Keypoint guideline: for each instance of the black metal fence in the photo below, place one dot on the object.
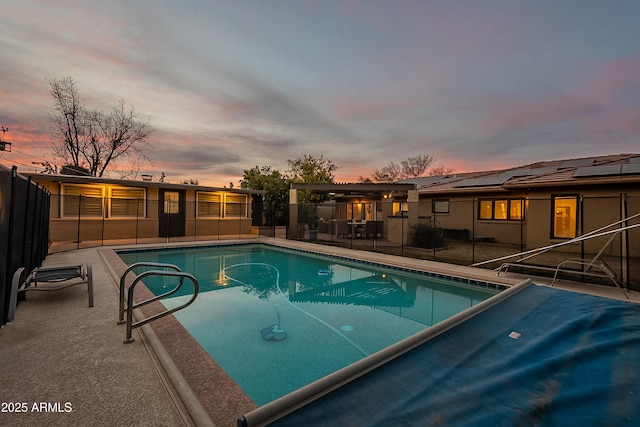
(84, 222)
(24, 225)
(461, 232)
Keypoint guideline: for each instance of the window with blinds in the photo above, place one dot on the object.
(209, 205)
(235, 206)
(82, 200)
(128, 202)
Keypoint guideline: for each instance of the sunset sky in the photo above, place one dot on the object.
(228, 85)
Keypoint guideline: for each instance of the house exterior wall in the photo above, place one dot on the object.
(463, 215)
(597, 207)
(105, 227)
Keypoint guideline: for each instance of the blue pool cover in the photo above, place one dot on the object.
(543, 357)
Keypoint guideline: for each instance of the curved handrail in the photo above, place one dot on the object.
(124, 275)
(131, 306)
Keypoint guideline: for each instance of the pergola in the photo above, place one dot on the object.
(364, 189)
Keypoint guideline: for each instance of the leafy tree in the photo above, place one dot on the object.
(412, 167)
(274, 204)
(91, 139)
(308, 169)
(311, 170)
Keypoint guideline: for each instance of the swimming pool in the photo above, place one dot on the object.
(277, 319)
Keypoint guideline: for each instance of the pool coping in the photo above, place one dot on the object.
(217, 399)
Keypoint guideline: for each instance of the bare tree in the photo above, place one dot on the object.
(391, 172)
(439, 170)
(67, 126)
(413, 167)
(416, 166)
(91, 139)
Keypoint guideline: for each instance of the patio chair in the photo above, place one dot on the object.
(342, 228)
(57, 275)
(373, 228)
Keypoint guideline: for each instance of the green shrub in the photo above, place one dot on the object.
(425, 236)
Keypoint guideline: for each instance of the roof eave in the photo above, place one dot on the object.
(576, 182)
(73, 179)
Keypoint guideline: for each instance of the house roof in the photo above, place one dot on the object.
(611, 169)
(76, 179)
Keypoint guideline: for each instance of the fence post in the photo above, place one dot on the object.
(582, 227)
(25, 236)
(79, 213)
(105, 202)
(34, 226)
(522, 211)
(12, 215)
(137, 218)
(473, 230)
(44, 221)
(624, 242)
(435, 229)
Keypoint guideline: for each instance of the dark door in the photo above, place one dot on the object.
(171, 213)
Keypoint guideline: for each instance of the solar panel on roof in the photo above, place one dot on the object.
(601, 170)
(575, 163)
(500, 179)
(630, 169)
(634, 159)
(540, 171)
(427, 180)
(469, 182)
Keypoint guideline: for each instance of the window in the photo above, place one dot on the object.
(565, 214)
(209, 205)
(171, 202)
(486, 209)
(360, 211)
(235, 206)
(516, 209)
(501, 209)
(81, 200)
(400, 208)
(440, 206)
(127, 202)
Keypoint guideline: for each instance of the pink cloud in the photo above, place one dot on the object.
(604, 107)
(616, 81)
(512, 114)
(615, 86)
(371, 109)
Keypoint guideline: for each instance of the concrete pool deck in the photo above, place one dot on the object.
(59, 351)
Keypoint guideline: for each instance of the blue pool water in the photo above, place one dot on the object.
(277, 319)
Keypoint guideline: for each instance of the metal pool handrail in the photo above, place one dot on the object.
(131, 306)
(124, 275)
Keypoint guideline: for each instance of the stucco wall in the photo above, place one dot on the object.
(71, 229)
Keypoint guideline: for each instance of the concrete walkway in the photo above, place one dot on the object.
(63, 363)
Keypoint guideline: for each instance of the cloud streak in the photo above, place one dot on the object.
(232, 85)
